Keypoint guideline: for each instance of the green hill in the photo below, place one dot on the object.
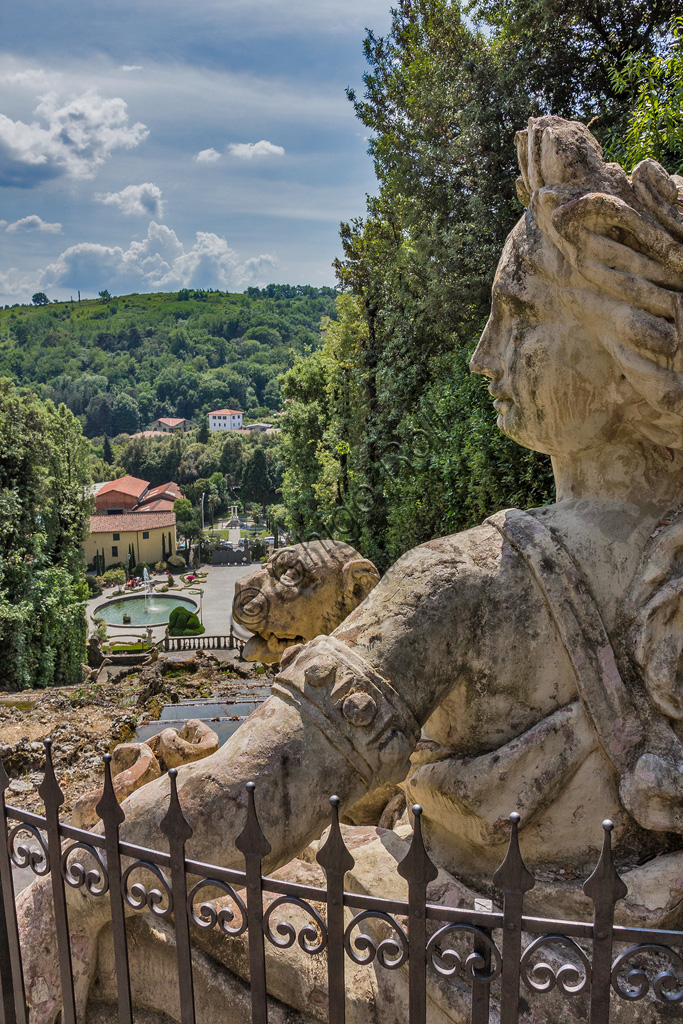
(121, 362)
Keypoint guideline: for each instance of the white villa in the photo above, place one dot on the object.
(225, 419)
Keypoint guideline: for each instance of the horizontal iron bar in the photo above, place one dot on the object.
(462, 915)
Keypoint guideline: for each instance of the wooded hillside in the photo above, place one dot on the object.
(119, 363)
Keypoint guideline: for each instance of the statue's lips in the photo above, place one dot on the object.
(268, 648)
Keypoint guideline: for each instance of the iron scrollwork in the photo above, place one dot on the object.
(312, 937)
(449, 962)
(96, 880)
(390, 953)
(138, 896)
(206, 916)
(23, 856)
(542, 977)
(666, 986)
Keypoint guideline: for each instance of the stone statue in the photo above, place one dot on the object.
(531, 663)
(302, 591)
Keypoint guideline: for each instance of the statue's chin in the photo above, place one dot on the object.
(269, 649)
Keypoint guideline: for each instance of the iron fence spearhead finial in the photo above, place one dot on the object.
(333, 856)
(251, 841)
(513, 874)
(174, 824)
(108, 808)
(605, 885)
(416, 866)
(49, 787)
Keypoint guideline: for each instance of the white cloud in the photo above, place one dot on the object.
(158, 262)
(142, 199)
(131, 67)
(249, 150)
(35, 223)
(33, 78)
(207, 156)
(79, 136)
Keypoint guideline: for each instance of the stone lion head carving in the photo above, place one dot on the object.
(302, 591)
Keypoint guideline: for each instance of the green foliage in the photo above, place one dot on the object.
(40, 299)
(44, 510)
(654, 86)
(115, 577)
(139, 569)
(176, 562)
(387, 440)
(183, 622)
(94, 585)
(121, 365)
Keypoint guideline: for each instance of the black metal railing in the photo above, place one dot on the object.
(507, 952)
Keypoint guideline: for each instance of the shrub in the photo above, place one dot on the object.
(176, 562)
(171, 580)
(140, 569)
(100, 630)
(258, 549)
(160, 567)
(94, 585)
(182, 622)
(112, 576)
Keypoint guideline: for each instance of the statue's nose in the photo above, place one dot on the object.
(486, 358)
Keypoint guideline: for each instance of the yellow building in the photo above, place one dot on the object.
(152, 535)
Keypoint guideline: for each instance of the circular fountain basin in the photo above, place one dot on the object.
(151, 610)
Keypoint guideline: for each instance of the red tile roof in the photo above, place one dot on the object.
(226, 412)
(170, 490)
(157, 505)
(129, 522)
(125, 485)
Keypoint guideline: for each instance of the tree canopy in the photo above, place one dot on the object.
(389, 436)
(44, 509)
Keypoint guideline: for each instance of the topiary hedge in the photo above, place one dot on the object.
(183, 622)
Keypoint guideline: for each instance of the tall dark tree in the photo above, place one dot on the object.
(44, 516)
(442, 101)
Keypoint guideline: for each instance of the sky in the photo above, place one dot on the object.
(151, 145)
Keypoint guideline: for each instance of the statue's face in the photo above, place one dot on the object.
(554, 386)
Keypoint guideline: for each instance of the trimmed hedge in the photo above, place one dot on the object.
(182, 622)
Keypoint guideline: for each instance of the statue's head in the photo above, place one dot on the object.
(303, 591)
(584, 345)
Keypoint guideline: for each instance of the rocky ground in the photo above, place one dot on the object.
(88, 721)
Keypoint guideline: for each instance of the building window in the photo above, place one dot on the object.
(116, 536)
(114, 552)
(145, 534)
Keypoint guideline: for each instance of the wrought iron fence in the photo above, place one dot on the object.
(598, 962)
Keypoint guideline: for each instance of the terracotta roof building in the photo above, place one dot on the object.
(117, 495)
(149, 536)
(225, 419)
(171, 424)
(131, 514)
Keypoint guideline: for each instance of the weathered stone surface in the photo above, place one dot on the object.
(531, 662)
(132, 765)
(304, 590)
(196, 740)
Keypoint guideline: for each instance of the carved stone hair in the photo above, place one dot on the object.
(623, 242)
